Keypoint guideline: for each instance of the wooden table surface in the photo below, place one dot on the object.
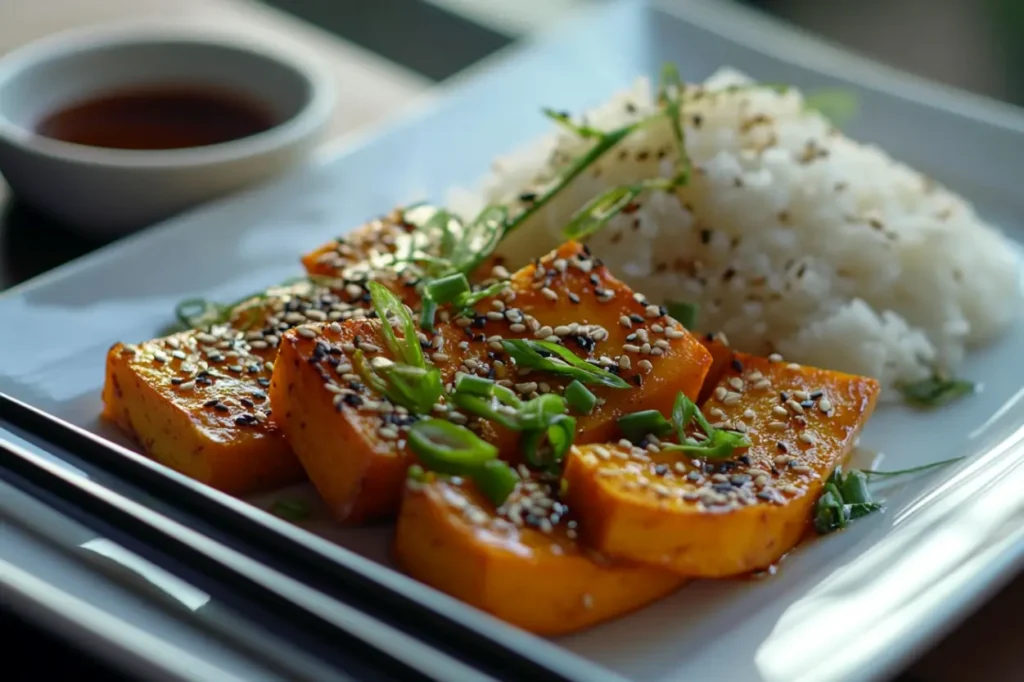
(988, 646)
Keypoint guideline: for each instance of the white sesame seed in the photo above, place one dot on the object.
(673, 333)
(645, 365)
(526, 387)
(808, 437)
(794, 406)
(463, 322)
(387, 433)
(625, 322)
(736, 383)
(588, 601)
(652, 311)
(749, 414)
(624, 362)
(258, 345)
(731, 398)
(780, 411)
(740, 426)
(717, 413)
(543, 332)
(720, 392)
(439, 357)
(825, 405)
(631, 348)
(495, 316)
(549, 294)
(187, 385)
(317, 315)
(774, 357)
(778, 426)
(306, 332)
(801, 468)
(800, 396)
(793, 366)
(562, 330)
(755, 376)
(517, 328)
(762, 384)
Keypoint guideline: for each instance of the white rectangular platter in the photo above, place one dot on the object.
(852, 606)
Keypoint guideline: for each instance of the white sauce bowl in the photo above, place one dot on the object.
(105, 192)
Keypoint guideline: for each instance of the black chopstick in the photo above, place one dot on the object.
(289, 550)
(356, 644)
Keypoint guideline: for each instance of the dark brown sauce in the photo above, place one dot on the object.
(166, 117)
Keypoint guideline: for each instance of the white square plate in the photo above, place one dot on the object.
(850, 606)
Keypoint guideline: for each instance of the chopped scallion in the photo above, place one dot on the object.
(638, 425)
(496, 480)
(545, 448)
(684, 313)
(580, 399)
(448, 289)
(449, 448)
(556, 359)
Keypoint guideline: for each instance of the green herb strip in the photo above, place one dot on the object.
(718, 444)
(935, 391)
(556, 359)
(684, 313)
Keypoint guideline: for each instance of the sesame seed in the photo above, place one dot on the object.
(187, 386)
(800, 396)
(720, 392)
(794, 406)
(645, 365)
(793, 366)
(652, 311)
(334, 327)
(306, 332)
(778, 426)
(439, 357)
(780, 411)
(624, 362)
(731, 398)
(801, 468)
(631, 348)
(543, 332)
(774, 357)
(517, 328)
(495, 316)
(825, 405)
(749, 414)
(736, 383)
(808, 437)
(562, 330)
(588, 601)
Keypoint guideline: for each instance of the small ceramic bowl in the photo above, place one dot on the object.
(103, 191)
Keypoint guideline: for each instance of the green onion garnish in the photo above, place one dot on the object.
(474, 385)
(484, 398)
(935, 391)
(580, 399)
(550, 357)
(292, 510)
(496, 480)
(684, 313)
(415, 388)
(417, 473)
(386, 305)
(718, 444)
(448, 288)
(428, 312)
(838, 106)
(448, 448)
(539, 413)
(470, 299)
(638, 425)
(546, 448)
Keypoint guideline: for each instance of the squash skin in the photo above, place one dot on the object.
(451, 538)
(631, 509)
(348, 465)
(175, 427)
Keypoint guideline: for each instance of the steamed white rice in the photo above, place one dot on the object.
(790, 237)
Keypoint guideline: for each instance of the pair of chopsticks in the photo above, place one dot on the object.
(324, 590)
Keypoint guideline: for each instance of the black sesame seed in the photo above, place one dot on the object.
(352, 399)
(246, 402)
(709, 337)
(817, 394)
(595, 280)
(637, 319)
(259, 395)
(220, 407)
(245, 419)
(574, 298)
(781, 447)
(807, 404)
(660, 470)
(631, 337)
(783, 396)
(739, 479)
(263, 382)
(722, 487)
(176, 381)
(528, 196)
(210, 403)
(638, 379)
(744, 460)
(766, 496)
(737, 365)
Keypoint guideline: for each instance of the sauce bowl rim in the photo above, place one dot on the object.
(65, 45)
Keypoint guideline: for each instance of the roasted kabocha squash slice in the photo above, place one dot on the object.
(520, 562)
(707, 518)
(566, 299)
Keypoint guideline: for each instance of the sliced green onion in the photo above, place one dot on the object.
(292, 510)
(415, 388)
(474, 385)
(417, 473)
(684, 313)
(854, 488)
(471, 299)
(546, 448)
(386, 304)
(638, 425)
(541, 412)
(683, 412)
(496, 480)
(599, 210)
(719, 444)
(362, 367)
(448, 288)
(448, 448)
(485, 408)
(428, 312)
(580, 399)
(479, 239)
(550, 357)
(935, 391)
(837, 105)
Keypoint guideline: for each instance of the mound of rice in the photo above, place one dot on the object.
(790, 237)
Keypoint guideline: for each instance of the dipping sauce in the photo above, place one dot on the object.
(165, 117)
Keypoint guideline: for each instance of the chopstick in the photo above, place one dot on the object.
(375, 649)
(350, 579)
